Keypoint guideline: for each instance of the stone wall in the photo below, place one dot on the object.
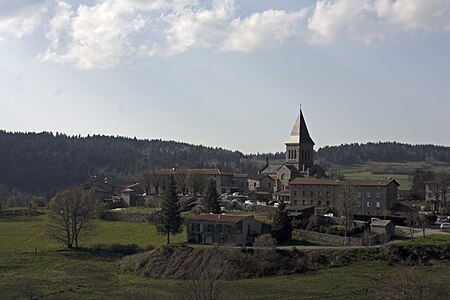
(348, 241)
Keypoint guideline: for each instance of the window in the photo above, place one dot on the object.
(378, 195)
(319, 203)
(368, 194)
(328, 194)
(303, 202)
(311, 193)
(358, 195)
(328, 203)
(269, 185)
(195, 227)
(378, 204)
(210, 228)
(295, 193)
(254, 184)
(319, 193)
(368, 204)
(303, 193)
(311, 202)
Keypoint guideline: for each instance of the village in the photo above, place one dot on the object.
(343, 211)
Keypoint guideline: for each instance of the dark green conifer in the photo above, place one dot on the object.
(281, 225)
(210, 199)
(170, 221)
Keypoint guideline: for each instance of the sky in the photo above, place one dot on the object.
(228, 74)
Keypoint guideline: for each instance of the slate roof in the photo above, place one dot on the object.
(300, 132)
(270, 169)
(364, 182)
(380, 223)
(219, 218)
(185, 171)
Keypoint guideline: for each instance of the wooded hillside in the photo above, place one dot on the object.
(382, 152)
(44, 163)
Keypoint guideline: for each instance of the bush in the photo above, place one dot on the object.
(117, 249)
(265, 241)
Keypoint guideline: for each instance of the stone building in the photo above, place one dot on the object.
(222, 229)
(299, 161)
(373, 196)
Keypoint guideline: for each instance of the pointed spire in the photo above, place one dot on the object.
(299, 133)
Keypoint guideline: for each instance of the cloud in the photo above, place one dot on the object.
(92, 36)
(260, 30)
(104, 33)
(375, 20)
(19, 18)
(198, 26)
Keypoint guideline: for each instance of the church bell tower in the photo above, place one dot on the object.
(300, 146)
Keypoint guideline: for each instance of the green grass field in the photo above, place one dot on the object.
(363, 171)
(56, 273)
(24, 234)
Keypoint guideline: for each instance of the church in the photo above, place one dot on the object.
(298, 163)
(301, 183)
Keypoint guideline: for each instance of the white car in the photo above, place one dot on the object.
(445, 226)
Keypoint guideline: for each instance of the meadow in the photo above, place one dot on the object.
(32, 264)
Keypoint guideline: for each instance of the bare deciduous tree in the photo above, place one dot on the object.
(346, 204)
(411, 283)
(206, 286)
(196, 181)
(439, 187)
(412, 221)
(70, 215)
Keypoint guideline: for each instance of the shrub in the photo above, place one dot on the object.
(265, 241)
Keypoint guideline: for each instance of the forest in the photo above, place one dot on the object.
(45, 163)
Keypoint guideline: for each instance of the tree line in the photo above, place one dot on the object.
(45, 163)
(382, 152)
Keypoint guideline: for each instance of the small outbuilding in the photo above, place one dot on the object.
(385, 227)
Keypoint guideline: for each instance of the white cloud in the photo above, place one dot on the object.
(20, 18)
(269, 28)
(92, 36)
(106, 32)
(198, 26)
(372, 20)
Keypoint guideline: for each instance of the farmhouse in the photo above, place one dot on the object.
(222, 229)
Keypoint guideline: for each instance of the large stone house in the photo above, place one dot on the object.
(222, 229)
(373, 196)
(225, 182)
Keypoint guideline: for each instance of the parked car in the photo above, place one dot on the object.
(444, 218)
(248, 202)
(374, 219)
(445, 226)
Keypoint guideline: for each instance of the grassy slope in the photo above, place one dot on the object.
(57, 273)
(363, 171)
(25, 233)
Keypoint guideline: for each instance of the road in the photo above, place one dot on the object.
(406, 236)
